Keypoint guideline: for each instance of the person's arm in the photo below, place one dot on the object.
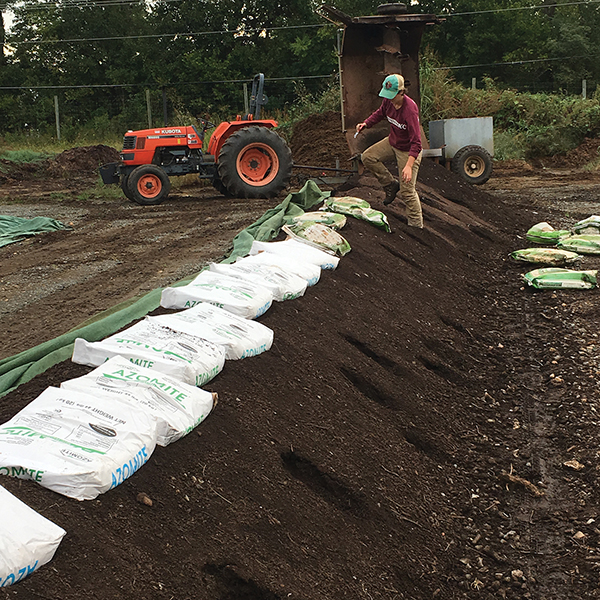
(407, 171)
(414, 132)
(373, 119)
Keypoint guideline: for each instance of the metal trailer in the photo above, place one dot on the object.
(464, 145)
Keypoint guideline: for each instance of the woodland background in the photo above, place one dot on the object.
(102, 60)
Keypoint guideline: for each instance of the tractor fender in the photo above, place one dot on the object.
(227, 128)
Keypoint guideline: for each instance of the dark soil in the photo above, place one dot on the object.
(405, 437)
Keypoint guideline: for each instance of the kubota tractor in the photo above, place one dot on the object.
(245, 159)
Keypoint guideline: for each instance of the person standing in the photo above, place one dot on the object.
(403, 144)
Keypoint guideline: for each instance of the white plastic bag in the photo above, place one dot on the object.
(240, 337)
(297, 250)
(239, 297)
(27, 539)
(75, 444)
(183, 356)
(283, 286)
(177, 406)
(308, 271)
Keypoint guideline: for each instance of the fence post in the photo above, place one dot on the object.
(584, 88)
(148, 109)
(57, 117)
(474, 83)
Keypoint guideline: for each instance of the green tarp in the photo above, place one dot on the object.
(23, 367)
(14, 229)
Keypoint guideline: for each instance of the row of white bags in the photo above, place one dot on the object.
(93, 432)
(191, 345)
(248, 287)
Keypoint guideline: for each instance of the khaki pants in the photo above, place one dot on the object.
(373, 159)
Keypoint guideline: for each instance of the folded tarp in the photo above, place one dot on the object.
(22, 367)
(15, 229)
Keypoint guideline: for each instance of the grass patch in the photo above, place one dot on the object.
(24, 156)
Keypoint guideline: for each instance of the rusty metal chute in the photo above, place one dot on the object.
(371, 48)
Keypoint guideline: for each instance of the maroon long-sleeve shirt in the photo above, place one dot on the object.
(405, 130)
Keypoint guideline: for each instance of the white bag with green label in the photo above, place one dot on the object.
(297, 250)
(310, 272)
(27, 539)
(239, 297)
(177, 406)
(78, 445)
(240, 337)
(283, 285)
(186, 357)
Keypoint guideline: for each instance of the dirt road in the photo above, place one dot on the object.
(407, 436)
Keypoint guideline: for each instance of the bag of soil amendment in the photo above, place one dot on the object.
(334, 220)
(240, 337)
(321, 235)
(185, 357)
(554, 277)
(358, 208)
(75, 444)
(27, 539)
(583, 244)
(239, 297)
(544, 233)
(177, 406)
(297, 250)
(308, 271)
(591, 225)
(283, 286)
(547, 256)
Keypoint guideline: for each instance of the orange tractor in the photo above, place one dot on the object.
(245, 158)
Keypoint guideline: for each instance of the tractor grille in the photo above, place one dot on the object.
(129, 142)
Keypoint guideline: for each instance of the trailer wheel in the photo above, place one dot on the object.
(255, 163)
(148, 185)
(473, 164)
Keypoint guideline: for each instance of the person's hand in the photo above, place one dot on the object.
(407, 173)
(360, 127)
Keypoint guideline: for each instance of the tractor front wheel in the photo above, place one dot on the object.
(255, 163)
(148, 185)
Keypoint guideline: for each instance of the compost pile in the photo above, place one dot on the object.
(405, 437)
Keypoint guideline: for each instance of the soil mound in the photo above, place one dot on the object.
(318, 141)
(11, 171)
(83, 160)
(407, 436)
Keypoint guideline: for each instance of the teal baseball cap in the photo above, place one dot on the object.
(392, 84)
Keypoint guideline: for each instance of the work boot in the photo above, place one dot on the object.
(391, 189)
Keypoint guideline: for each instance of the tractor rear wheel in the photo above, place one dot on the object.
(255, 163)
(473, 164)
(148, 185)
(218, 185)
